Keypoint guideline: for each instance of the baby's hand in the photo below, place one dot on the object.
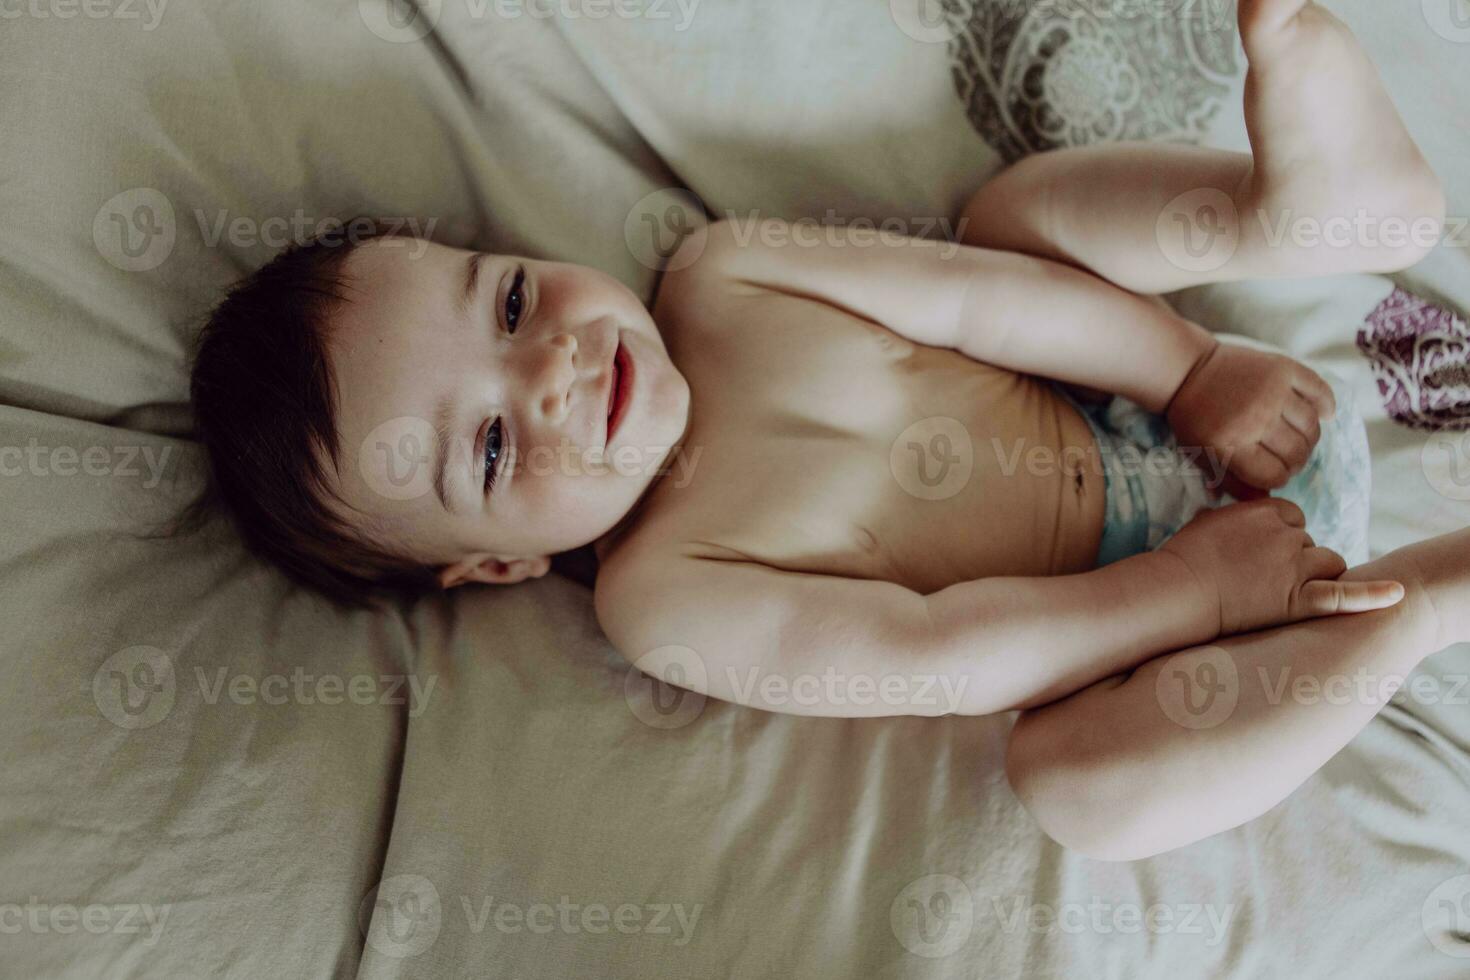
(1260, 563)
(1261, 411)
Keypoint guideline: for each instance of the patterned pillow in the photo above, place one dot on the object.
(1043, 74)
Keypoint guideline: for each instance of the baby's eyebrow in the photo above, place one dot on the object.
(443, 420)
(471, 282)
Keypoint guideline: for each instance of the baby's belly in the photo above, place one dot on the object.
(1003, 480)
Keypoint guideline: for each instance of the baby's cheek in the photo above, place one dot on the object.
(563, 501)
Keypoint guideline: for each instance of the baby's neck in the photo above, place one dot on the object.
(603, 545)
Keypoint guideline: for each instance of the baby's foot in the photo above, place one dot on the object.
(1437, 570)
(1328, 144)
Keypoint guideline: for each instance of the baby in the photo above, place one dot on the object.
(880, 461)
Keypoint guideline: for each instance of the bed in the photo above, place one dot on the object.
(208, 772)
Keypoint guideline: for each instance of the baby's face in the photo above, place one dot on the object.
(494, 409)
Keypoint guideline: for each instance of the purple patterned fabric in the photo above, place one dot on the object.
(1421, 358)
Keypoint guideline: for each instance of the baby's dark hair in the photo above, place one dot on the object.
(265, 408)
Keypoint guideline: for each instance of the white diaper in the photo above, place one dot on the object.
(1154, 488)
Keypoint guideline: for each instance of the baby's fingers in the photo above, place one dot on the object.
(1260, 467)
(1289, 445)
(1311, 386)
(1301, 415)
(1331, 598)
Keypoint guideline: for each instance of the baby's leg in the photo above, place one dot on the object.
(1197, 742)
(1334, 184)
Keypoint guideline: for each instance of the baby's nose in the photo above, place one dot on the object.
(561, 373)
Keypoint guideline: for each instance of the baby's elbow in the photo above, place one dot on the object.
(1079, 802)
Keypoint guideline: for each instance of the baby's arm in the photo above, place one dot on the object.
(996, 643)
(1260, 410)
(1020, 312)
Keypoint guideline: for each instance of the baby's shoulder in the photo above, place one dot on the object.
(704, 287)
(634, 556)
(637, 579)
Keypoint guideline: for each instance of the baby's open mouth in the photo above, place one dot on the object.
(618, 391)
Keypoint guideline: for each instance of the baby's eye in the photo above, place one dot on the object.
(492, 454)
(515, 301)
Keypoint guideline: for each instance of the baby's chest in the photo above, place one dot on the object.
(897, 501)
(830, 445)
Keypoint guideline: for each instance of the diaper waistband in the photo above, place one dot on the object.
(1125, 524)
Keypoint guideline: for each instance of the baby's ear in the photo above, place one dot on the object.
(493, 570)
